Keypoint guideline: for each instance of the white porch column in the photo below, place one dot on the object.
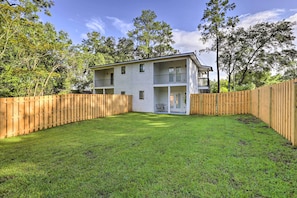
(169, 91)
(188, 101)
(190, 64)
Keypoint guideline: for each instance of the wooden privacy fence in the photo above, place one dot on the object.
(276, 105)
(24, 115)
(221, 104)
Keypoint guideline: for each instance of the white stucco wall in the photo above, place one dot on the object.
(134, 81)
(193, 77)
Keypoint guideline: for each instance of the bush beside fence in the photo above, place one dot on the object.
(276, 105)
(24, 115)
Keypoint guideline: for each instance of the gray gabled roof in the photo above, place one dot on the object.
(192, 55)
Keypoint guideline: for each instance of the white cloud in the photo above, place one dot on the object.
(96, 24)
(122, 26)
(191, 42)
(292, 18)
(187, 41)
(248, 20)
(84, 36)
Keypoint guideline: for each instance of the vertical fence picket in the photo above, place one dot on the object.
(274, 105)
(294, 114)
(31, 114)
(15, 119)
(9, 119)
(3, 118)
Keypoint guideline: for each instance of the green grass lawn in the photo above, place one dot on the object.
(147, 155)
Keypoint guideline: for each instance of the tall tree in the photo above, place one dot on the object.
(152, 38)
(231, 52)
(97, 45)
(80, 75)
(31, 7)
(257, 50)
(32, 54)
(124, 50)
(215, 23)
(264, 46)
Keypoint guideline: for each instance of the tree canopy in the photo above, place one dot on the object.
(35, 59)
(248, 55)
(215, 22)
(152, 38)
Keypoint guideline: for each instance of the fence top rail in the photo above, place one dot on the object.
(61, 95)
(222, 93)
(278, 84)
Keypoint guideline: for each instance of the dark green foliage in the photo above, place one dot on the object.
(153, 38)
(32, 53)
(251, 54)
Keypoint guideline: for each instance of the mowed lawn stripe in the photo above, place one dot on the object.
(150, 155)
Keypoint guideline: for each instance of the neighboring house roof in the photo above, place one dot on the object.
(192, 55)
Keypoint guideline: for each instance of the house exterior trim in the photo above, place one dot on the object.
(165, 83)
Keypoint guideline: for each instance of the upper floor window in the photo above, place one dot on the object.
(123, 70)
(175, 74)
(123, 92)
(141, 68)
(141, 95)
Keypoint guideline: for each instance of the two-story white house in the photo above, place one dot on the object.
(158, 85)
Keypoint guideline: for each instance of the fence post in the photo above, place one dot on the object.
(3, 118)
(258, 103)
(270, 107)
(294, 138)
(217, 103)
(251, 102)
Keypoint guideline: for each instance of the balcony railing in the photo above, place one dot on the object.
(203, 82)
(170, 78)
(104, 83)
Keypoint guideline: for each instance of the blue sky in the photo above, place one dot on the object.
(115, 17)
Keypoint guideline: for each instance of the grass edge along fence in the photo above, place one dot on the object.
(276, 105)
(24, 115)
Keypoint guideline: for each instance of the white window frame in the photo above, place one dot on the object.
(123, 70)
(141, 67)
(141, 95)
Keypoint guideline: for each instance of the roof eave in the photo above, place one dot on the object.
(147, 60)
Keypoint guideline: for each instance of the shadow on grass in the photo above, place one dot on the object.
(150, 155)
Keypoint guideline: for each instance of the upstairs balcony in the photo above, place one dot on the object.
(104, 82)
(170, 78)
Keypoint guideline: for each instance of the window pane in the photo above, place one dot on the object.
(141, 95)
(123, 70)
(141, 68)
(171, 101)
(178, 100)
(178, 74)
(171, 74)
(111, 79)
